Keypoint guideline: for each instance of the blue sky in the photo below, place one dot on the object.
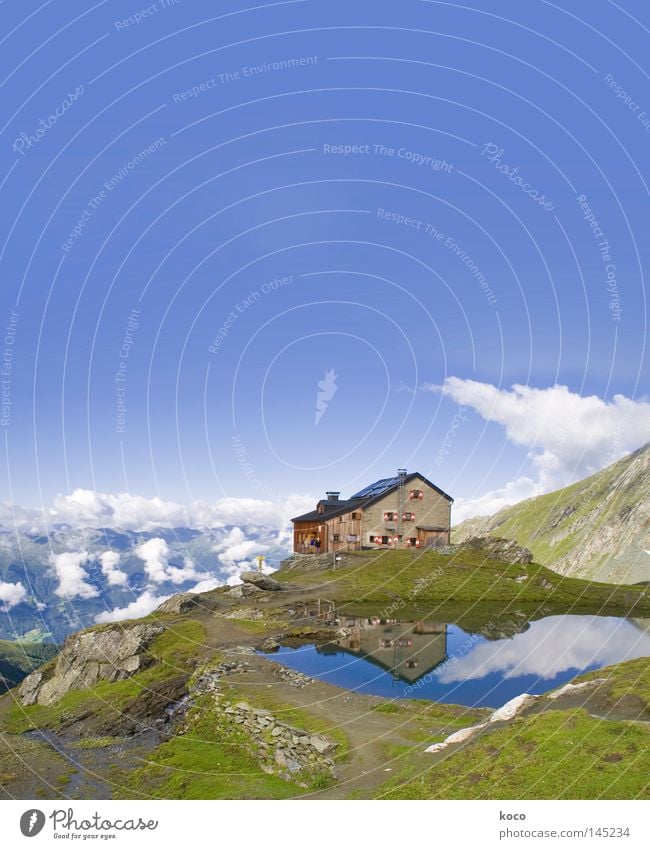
(430, 202)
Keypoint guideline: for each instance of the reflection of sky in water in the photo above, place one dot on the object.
(550, 647)
(485, 672)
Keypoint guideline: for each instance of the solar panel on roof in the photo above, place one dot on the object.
(376, 488)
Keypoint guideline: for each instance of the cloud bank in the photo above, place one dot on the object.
(568, 436)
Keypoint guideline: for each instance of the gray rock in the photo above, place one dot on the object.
(87, 657)
(179, 603)
(292, 766)
(29, 688)
(321, 744)
(262, 582)
(498, 548)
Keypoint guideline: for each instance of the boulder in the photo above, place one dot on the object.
(498, 548)
(262, 582)
(179, 603)
(575, 689)
(321, 744)
(108, 654)
(513, 708)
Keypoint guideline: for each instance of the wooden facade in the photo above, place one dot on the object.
(411, 513)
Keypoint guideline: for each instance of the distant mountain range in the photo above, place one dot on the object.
(597, 529)
(55, 583)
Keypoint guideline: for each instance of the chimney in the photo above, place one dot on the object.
(332, 496)
(401, 474)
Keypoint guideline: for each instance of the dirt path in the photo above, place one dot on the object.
(377, 741)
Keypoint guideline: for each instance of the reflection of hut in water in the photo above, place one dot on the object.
(408, 650)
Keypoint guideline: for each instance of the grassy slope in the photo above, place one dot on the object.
(427, 577)
(559, 754)
(545, 524)
(562, 754)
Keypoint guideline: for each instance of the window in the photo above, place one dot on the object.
(352, 538)
(384, 540)
(336, 538)
(390, 517)
(408, 517)
(356, 516)
(340, 518)
(412, 540)
(416, 495)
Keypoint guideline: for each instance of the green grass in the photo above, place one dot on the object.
(212, 760)
(553, 755)
(427, 577)
(627, 680)
(252, 626)
(97, 742)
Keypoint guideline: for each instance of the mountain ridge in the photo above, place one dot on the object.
(597, 528)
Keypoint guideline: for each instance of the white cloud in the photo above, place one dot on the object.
(114, 576)
(11, 595)
(235, 547)
(71, 575)
(143, 605)
(155, 554)
(495, 499)
(568, 436)
(84, 508)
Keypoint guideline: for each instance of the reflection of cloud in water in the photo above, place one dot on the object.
(551, 646)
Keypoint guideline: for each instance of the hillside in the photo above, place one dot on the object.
(180, 705)
(18, 659)
(597, 529)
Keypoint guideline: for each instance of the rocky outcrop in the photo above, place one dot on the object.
(109, 654)
(512, 709)
(498, 548)
(262, 582)
(280, 748)
(180, 603)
